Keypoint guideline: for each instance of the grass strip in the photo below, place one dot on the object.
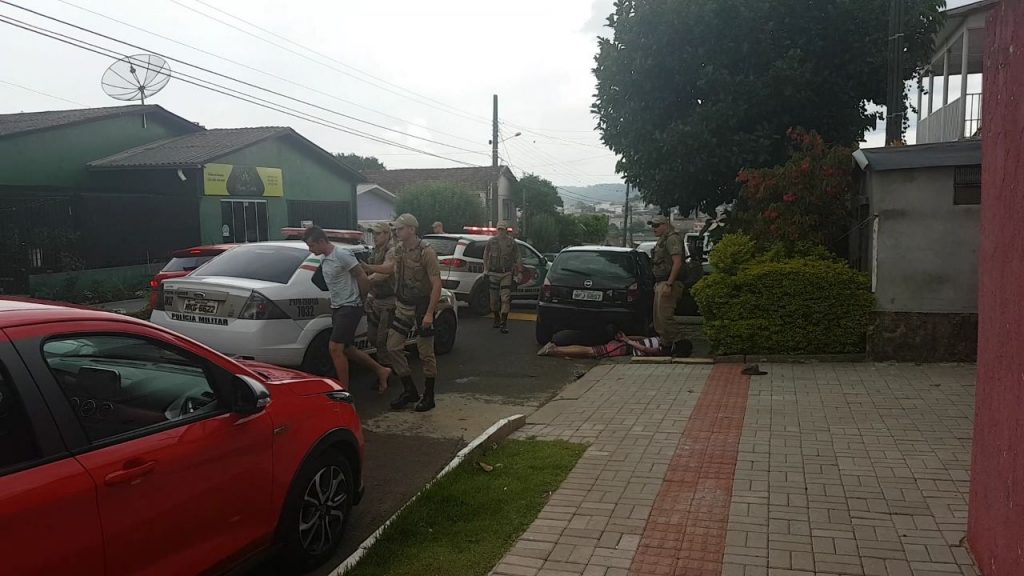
(465, 523)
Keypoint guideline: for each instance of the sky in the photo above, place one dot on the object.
(413, 73)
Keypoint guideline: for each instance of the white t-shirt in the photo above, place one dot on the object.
(338, 267)
(653, 342)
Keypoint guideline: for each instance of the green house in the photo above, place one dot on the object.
(113, 191)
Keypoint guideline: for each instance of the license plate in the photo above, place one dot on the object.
(588, 295)
(199, 306)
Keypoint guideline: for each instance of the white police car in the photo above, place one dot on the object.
(258, 302)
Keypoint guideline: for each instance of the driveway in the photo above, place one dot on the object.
(488, 376)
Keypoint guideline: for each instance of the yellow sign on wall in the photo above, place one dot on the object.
(231, 180)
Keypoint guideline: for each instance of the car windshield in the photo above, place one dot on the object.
(611, 266)
(186, 264)
(441, 245)
(255, 262)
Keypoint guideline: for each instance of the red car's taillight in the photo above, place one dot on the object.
(453, 262)
(156, 297)
(259, 307)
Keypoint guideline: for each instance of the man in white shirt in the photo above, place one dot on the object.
(348, 286)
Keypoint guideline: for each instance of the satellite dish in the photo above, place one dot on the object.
(136, 77)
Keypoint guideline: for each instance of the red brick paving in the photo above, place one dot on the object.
(685, 534)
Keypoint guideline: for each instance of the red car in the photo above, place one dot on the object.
(128, 449)
(182, 263)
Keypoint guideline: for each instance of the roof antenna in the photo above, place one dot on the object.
(135, 77)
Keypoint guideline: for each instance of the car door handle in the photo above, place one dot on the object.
(132, 471)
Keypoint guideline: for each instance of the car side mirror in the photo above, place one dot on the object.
(248, 396)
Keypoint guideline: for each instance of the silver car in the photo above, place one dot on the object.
(258, 302)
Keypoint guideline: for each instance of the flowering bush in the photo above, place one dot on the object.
(804, 201)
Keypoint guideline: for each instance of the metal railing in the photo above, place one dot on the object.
(952, 122)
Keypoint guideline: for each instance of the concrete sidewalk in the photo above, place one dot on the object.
(827, 469)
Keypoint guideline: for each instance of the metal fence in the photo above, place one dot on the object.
(64, 233)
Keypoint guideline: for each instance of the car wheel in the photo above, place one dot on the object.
(317, 359)
(480, 300)
(316, 512)
(543, 332)
(445, 328)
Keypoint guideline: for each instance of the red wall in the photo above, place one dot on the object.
(996, 526)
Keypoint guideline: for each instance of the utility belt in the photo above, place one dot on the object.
(420, 304)
(416, 302)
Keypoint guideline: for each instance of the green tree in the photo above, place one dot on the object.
(543, 232)
(690, 92)
(432, 201)
(540, 194)
(576, 229)
(361, 163)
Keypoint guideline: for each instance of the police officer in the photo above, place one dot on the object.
(668, 270)
(417, 282)
(501, 261)
(380, 302)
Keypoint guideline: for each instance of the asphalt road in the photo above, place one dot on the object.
(486, 377)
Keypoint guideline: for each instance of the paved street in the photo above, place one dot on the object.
(488, 376)
(830, 469)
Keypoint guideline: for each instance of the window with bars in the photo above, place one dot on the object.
(967, 186)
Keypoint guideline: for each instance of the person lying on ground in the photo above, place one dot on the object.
(622, 345)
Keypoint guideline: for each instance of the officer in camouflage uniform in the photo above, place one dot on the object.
(380, 302)
(417, 282)
(501, 261)
(668, 274)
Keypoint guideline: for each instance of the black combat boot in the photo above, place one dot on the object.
(497, 320)
(409, 394)
(504, 324)
(427, 403)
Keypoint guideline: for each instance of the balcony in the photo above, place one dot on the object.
(952, 80)
(952, 122)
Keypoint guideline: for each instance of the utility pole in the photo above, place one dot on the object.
(625, 218)
(895, 110)
(495, 208)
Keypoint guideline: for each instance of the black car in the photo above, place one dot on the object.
(592, 287)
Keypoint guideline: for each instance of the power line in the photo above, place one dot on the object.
(243, 82)
(259, 71)
(41, 93)
(329, 66)
(566, 170)
(276, 107)
(419, 97)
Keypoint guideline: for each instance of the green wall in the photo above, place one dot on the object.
(306, 177)
(57, 157)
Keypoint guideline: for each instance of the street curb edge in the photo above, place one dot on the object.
(498, 431)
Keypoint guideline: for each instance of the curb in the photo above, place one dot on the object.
(499, 431)
(668, 360)
(790, 359)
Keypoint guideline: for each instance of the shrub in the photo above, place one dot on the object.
(732, 253)
(804, 201)
(797, 306)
